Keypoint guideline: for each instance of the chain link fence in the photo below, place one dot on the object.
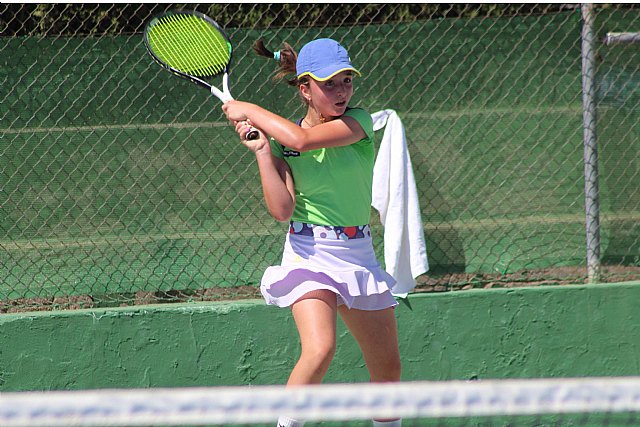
(121, 184)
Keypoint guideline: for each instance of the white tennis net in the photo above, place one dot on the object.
(596, 401)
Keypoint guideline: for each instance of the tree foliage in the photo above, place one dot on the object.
(109, 19)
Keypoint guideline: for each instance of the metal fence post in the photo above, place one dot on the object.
(592, 206)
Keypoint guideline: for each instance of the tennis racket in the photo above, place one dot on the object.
(193, 46)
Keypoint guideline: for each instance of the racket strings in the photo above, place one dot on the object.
(190, 44)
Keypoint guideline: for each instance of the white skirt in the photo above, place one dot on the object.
(347, 267)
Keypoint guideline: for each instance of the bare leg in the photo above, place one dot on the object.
(377, 336)
(315, 317)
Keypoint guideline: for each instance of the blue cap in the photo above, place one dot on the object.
(323, 59)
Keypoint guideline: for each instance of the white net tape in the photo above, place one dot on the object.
(256, 404)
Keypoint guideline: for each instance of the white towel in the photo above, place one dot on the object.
(395, 197)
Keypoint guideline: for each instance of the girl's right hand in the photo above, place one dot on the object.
(258, 145)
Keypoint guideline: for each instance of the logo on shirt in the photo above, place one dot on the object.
(290, 153)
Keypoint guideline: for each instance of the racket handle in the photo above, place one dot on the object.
(225, 96)
(252, 134)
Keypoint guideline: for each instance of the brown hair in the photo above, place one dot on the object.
(287, 62)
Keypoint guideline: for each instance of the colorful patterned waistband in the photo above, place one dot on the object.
(329, 231)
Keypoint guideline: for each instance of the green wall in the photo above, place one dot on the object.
(582, 330)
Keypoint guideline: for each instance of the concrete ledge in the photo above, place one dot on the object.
(572, 331)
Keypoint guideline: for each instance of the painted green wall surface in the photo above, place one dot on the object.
(582, 330)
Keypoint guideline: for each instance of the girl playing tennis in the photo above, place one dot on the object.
(317, 174)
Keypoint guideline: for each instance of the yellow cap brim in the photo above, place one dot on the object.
(322, 79)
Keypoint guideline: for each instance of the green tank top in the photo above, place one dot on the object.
(333, 185)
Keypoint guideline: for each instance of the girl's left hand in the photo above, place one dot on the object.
(261, 144)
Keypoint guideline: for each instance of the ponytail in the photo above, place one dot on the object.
(286, 58)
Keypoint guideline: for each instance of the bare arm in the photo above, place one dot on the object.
(277, 186)
(335, 133)
(275, 176)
